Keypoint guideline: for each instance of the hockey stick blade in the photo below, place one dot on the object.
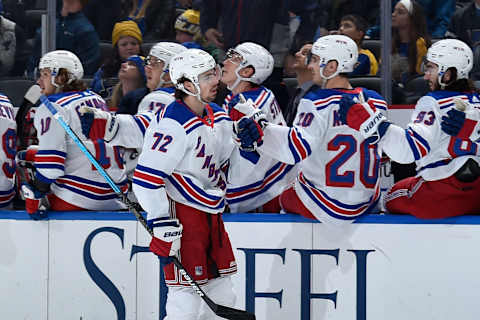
(221, 311)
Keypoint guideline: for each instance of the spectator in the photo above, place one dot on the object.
(188, 33)
(126, 41)
(264, 22)
(12, 39)
(438, 14)
(465, 26)
(355, 27)
(103, 14)
(74, 33)
(154, 18)
(339, 8)
(304, 82)
(131, 77)
(409, 40)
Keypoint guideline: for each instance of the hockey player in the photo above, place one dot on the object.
(442, 140)
(180, 182)
(8, 128)
(255, 181)
(62, 174)
(158, 79)
(338, 178)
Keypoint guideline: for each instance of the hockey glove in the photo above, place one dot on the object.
(25, 158)
(166, 239)
(456, 123)
(250, 134)
(244, 111)
(362, 116)
(98, 124)
(36, 203)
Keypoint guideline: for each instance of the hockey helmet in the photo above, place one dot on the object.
(254, 55)
(339, 48)
(451, 53)
(62, 59)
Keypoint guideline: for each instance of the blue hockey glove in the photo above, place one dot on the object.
(166, 240)
(36, 203)
(250, 134)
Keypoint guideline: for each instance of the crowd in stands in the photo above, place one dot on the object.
(85, 27)
(112, 39)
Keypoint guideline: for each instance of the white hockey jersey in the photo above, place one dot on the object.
(185, 157)
(437, 155)
(60, 161)
(157, 99)
(338, 173)
(8, 129)
(255, 179)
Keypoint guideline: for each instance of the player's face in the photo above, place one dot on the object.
(301, 57)
(230, 64)
(154, 71)
(128, 71)
(348, 28)
(314, 67)
(431, 75)
(208, 82)
(45, 82)
(182, 36)
(128, 46)
(400, 17)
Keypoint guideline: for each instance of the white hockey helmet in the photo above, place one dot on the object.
(189, 64)
(254, 55)
(451, 53)
(62, 59)
(164, 51)
(339, 48)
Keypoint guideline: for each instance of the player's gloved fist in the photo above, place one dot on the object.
(36, 203)
(166, 239)
(250, 134)
(98, 124)
(26, 156)
(238, 107)
(360, 115)
(453, 122)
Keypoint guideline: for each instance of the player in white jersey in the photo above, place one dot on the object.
(158, 80)
(255, 181)
(62, 170)
(338, 175)
(180, 181)
(8, 129)
(442, 140)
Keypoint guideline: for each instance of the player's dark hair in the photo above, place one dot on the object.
(460, 85)
(179, 94)
(75, 85)
(360, 23)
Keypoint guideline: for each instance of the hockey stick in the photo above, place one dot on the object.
(219, 310)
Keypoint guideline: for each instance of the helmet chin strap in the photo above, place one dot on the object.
(197, 95)
(442, 84)
(239, 78)
(162, 81)
(324, 77)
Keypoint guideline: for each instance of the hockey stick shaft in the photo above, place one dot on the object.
(95, 163)
(235, 314)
